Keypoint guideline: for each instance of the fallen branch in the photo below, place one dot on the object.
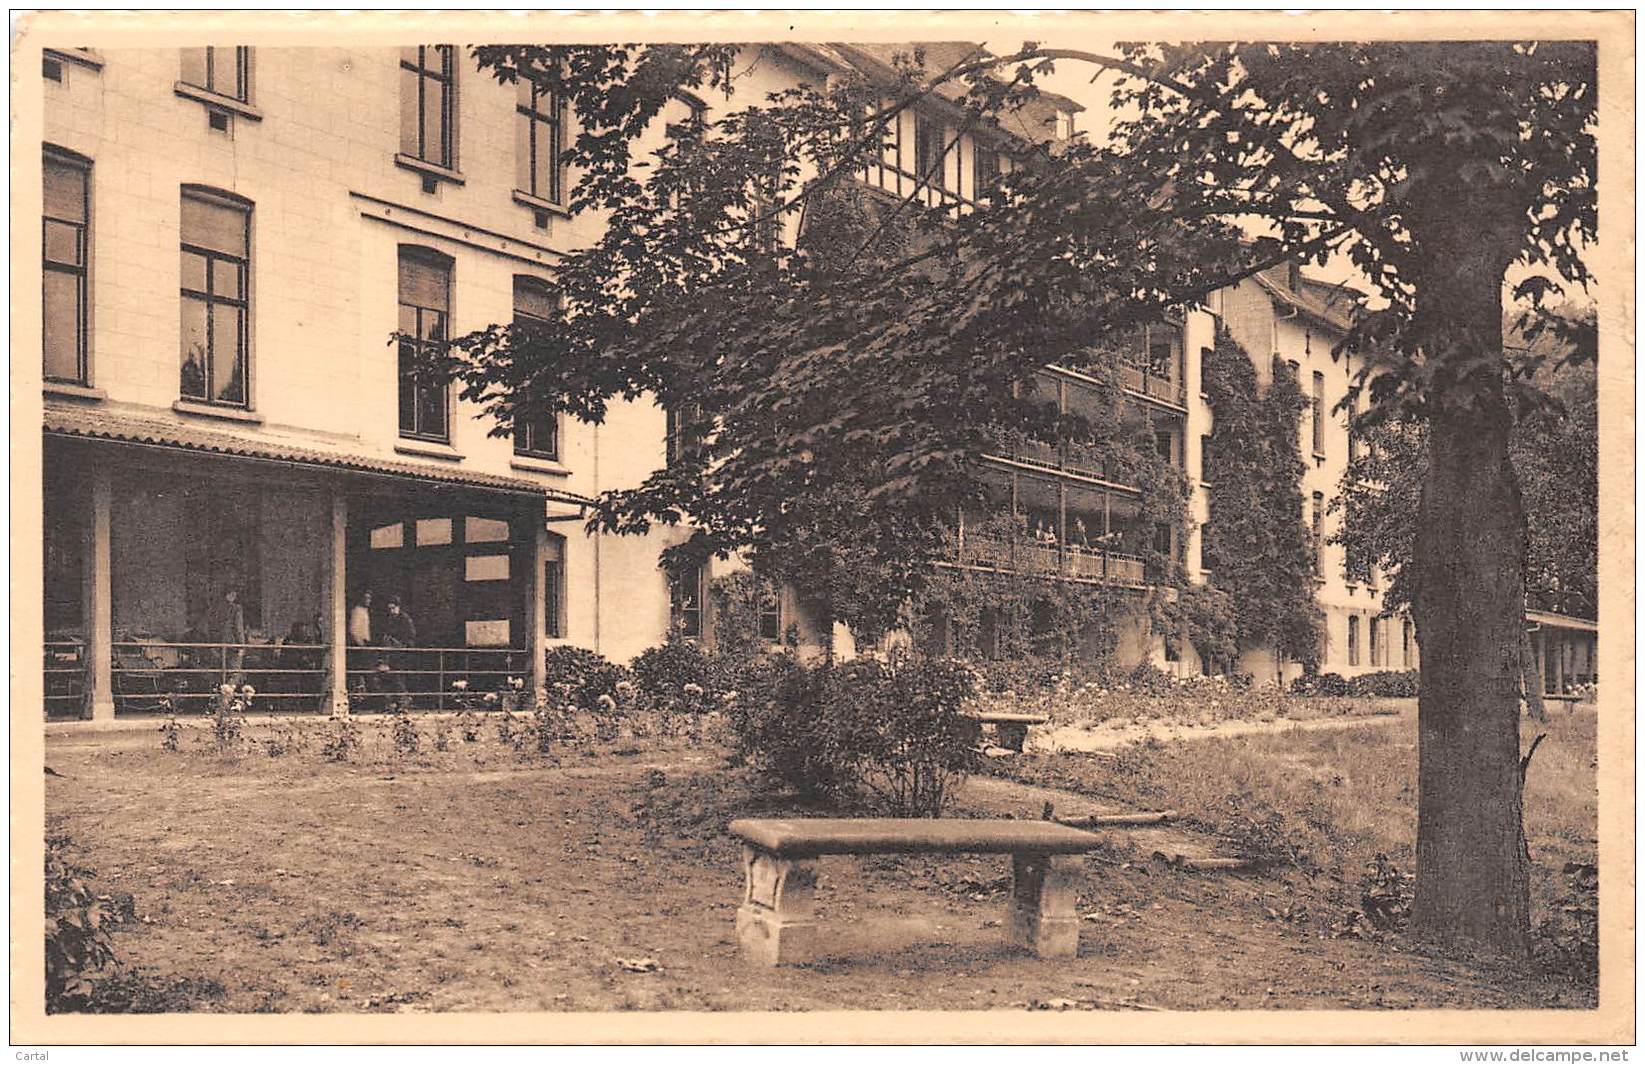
(1136, 820)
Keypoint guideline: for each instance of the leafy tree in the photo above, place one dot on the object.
(1555, 450)
(865, 379)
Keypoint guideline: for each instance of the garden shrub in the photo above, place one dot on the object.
(1385, 684)
(582, 674)
(904, 716)
(78, 927)
(681, 677)
(1327, 684)
(893, 729)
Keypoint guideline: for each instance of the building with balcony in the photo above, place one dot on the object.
(240, 470)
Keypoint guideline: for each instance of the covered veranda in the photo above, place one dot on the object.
(179, 559)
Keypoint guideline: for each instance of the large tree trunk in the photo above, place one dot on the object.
(1473, 870)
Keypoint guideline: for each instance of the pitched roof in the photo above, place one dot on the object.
(1035, 121)
(100, 424)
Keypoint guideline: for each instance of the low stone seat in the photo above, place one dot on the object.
(775, 924)
(1012, 729)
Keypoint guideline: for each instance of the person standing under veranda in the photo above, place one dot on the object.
(229, 627)
(398, 630)
(359, 635)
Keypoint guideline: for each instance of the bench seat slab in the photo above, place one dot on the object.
(810, 837)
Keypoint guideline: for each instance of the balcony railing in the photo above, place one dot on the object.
(1049, 560)
(65, 678)
(150, 675)
(421, 678)
(1140, 378)
(156, 675)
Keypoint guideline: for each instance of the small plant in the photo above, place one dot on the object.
(343, 742)
(607, 718)
(229, 723)
(406, 739)
(468, 724)
(171, 735)
(78, 926)
(442, 735)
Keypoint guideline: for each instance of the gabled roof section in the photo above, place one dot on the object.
(1325, 303)
(1035, 122)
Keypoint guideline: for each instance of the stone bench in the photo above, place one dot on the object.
(1012, 729)
(776, 926)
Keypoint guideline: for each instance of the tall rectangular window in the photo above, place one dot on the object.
(684, 432)
(425, 313)
(771, 614)
(538, 141)
(1319, 413)
(225, 71)
(1405, 644)
(554, 589)
(65, 259)
(985, 170)
(428, 84)
(537, 435)
(1317, 525)
(1205, 458)
(685, 602)
(1353, 414)
(1376, 641)
(1353, 640)
(930, 152)
(216, 274)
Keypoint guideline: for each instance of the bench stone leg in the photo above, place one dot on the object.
(775, 923)
(1043, 893)
(1012, 735)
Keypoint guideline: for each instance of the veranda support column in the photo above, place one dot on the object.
(336, 607)
(536, 622)
(99, 600)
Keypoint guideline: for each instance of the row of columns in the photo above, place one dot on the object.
(97, 597)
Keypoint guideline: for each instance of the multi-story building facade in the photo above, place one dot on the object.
(235, 454)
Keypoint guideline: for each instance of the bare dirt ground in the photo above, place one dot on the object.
(455, 883)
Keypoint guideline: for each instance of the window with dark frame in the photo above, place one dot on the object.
(425, 313)
(682, 432)
(539, 133)
(985, 170)
(1205, 458)
(771, 613)
(1319, 413)
(1375, 627)
(930, 152)
(554, 589)
(428, 82)
(225, 71)
(216, 274)
(1353, 640)
(65, 257)
(1317, 524)
(536, 435)
(1405, 644)
(685, 602)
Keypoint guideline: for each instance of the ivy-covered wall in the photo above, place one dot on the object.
(1258, 545)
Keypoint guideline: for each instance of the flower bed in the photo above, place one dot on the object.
(1186, 700)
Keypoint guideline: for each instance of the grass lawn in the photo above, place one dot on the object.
(1331, 801)
(481, 879)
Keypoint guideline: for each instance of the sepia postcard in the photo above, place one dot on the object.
(806, 527)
